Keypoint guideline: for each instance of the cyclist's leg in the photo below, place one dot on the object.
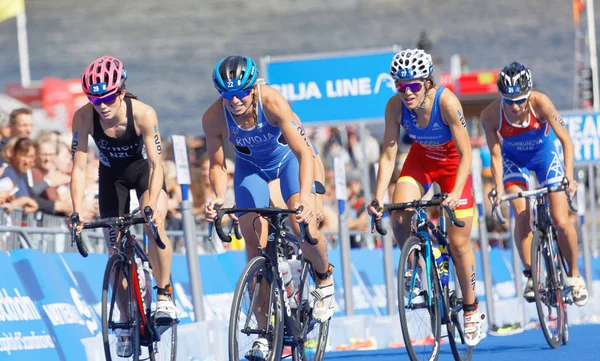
(460, 240)
(317, 254)
(252, 191)
(160, 259)
(549, 172)
(567, 236)
(462, 253)
(516, 179)
(113, 197)
(138, 177)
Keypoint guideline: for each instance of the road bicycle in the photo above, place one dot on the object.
(286, 320)
(548, 266)
(426, 297)
(128, 267)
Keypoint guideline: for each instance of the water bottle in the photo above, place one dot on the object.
(148, 281)
(445, 263)
(141, 277)
(437, 254)
(296, 270)
(286, 274)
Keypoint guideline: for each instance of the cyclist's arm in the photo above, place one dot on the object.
(546, 108)
(79, 149)
(452, 114)
(387, 161)
(212, 122)
(279, 112)
(148, 126)
(489, 121)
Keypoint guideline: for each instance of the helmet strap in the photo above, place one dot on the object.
(424, 102)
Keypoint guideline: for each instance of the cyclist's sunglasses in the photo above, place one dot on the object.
(240, 94)
(518, 101)
(414, 87)
(108, 100)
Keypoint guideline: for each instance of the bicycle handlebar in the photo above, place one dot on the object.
(437, 200)
(75, 238)
(536, 193)
(148, 213)
(113, 222)
(264, 212)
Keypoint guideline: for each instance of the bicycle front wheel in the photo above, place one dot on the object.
(315, 333)
(419, 300)
(546, 287)
(257, 311)
(113, 302)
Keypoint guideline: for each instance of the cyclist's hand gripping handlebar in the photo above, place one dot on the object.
(148, 214)
(76, 238)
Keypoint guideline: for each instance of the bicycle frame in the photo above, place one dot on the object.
(422, 227)
(276, 238)
(128, 248)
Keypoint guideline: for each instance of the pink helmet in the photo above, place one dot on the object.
(104, 76)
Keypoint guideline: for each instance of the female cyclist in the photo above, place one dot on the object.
(262, 128)
(441, 152)
(129, 146)
(529, 125)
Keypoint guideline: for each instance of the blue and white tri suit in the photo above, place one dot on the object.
(532, 146)
(262, 155)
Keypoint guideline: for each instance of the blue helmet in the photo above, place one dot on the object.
(514, 79)
(235, 73)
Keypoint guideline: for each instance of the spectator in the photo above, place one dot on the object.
(21, 162)
(355, 148)
(333, 149)
(21, 123)
(46, 178)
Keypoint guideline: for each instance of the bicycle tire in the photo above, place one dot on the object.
(416, 244)
(304, 314)
(116, 262)
(563, 281)
(172, 341)
(257, 266)
(551, 296)
(451, 303)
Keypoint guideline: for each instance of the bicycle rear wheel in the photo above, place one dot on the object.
(546, 287)
(256, 293)
(115, 273)
(419, 303)
(454, 309)
(315, 333)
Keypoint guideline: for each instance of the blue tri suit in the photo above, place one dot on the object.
(532, 146)
(262, 155)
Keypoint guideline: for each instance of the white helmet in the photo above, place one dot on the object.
(411, 64)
